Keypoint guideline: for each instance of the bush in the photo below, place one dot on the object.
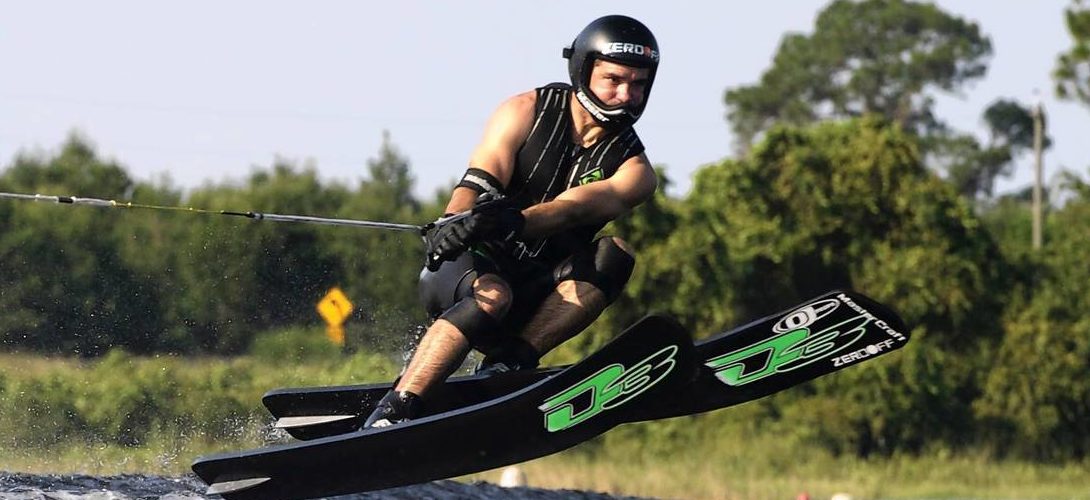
(130, 401)
(40, 413)
(294, 345)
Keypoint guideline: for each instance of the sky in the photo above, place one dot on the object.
(200, 91)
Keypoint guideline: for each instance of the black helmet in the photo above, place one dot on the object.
(618, 39)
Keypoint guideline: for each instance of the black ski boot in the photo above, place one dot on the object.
(490, 367)
(394, 408)
(514, 355)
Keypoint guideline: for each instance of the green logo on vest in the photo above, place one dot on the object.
(592, 176)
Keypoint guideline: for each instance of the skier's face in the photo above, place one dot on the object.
(618, 85)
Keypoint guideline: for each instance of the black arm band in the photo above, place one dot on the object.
(481, 182)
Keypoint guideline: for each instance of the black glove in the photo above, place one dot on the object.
(447, 240)
(492, 219)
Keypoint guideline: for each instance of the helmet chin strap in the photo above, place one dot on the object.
(608, 118)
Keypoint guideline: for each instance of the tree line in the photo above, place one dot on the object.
(844, 177)
(81, 280)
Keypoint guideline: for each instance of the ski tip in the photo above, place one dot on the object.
(310, 420)
(234, 486)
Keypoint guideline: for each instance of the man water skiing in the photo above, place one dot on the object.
(523, 273)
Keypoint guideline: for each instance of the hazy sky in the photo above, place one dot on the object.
(204, 91)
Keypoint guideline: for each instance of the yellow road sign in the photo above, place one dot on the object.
(335, 307)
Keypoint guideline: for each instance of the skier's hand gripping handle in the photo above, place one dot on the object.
(491, 218)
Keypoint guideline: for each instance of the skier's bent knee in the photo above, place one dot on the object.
(479, 327)
(607, 265)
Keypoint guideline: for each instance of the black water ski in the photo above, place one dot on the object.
(645, 363)
(821, 336)
(784, 350)
(316, 412)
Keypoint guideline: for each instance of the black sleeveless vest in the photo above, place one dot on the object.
(549, 163)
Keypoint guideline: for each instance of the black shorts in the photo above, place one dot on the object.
(530, 282)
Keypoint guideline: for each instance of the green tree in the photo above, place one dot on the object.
(390, 180)
(973, 167)
(840, 205)
(1072, 72)
(1076, 185)
(1036, 399)
(874, 56)
(1011, 125)
(65, 287)
(969, 166)
(379, 267)
(76, 168)
(77, 279)
(235, 277)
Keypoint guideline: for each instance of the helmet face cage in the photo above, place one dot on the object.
(618, 39)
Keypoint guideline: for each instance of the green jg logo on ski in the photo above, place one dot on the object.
(796, 345)
(609, 388)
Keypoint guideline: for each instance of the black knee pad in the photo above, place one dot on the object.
(441, 289)
(447, 293)
(480, 328)
(605, 265)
